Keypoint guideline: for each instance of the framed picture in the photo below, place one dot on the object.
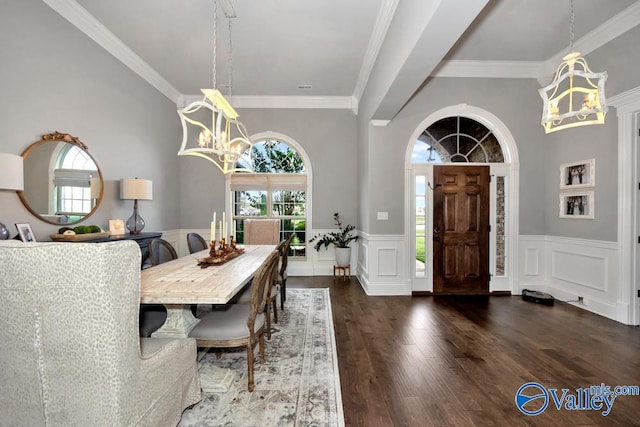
(578, 205)
(26, 233)
(578, 174)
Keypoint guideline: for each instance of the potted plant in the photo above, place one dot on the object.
(340, 240)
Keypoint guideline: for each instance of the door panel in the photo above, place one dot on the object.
(461, 230)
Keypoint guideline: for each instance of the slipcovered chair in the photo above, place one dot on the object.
(261, 231)
(71, 354)
(281, 278)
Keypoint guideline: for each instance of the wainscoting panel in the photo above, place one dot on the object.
(383, 266)
(580, 269)
(569, 268)
(531, 262)
(387, 262)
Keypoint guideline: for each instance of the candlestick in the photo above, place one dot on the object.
(213, 227)
(224, 224)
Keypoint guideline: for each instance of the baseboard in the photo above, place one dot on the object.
(421, 293)
(590, 303)
(500, 293)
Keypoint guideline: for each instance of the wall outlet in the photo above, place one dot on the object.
(581, 300)
(383, 216)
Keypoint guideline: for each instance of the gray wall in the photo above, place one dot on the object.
(388, 144)
(54, 77)
(329, 139)
(516, 103)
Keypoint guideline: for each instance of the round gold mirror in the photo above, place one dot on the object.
(62, 182)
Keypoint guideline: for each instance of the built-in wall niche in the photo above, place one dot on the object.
(62, 182)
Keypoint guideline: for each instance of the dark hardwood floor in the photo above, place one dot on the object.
(459, 361)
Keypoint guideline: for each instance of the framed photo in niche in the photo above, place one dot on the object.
(25, 232)
(578, 174)
(578, 205)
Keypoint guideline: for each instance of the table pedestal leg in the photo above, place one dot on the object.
(179, 322)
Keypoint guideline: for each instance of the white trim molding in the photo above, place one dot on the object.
(297, 102)
(385, 15)
(85, 22)
(489, 69)
(569, 268)
(627, 106)
(382, 265)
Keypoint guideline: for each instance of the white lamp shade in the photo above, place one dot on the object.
(136, 189)
(11, 172)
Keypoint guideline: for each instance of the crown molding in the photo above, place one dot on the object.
(85, 22)
(319, 102)
(626, 101)
(383, 21)
(542, 71)
(379, 123)
(609, 30)
(489, 69)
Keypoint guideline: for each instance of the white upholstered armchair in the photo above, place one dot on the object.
(71, 354)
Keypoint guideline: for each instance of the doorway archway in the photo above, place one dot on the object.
(496, 148)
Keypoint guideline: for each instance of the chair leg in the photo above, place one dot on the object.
(267, 310)
(275, 310)
(261, 343)
(250, 365)
(283, 293)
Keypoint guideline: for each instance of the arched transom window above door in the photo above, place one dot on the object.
(457, 140)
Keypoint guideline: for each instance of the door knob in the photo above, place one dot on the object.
(436, 229)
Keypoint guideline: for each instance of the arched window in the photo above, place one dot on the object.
(457, 140)
(73, 174)
(276, 189)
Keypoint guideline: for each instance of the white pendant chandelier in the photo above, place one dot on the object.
(211, 128)
(575, 97)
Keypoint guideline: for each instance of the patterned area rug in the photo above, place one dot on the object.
(299, 384)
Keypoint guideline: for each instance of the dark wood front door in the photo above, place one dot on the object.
(461, 230)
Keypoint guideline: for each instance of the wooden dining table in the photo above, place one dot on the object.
(179, 283)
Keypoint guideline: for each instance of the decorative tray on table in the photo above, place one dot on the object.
(78, 237)
(222, 253)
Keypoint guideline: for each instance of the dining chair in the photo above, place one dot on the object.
(71, 355)
(196, 243)
(239, 325)
(152, 316)
(161, 251)
(281, 279)
(261, 231)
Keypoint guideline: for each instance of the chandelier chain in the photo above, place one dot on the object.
(215, 44)
(230, 60)
(571, 34)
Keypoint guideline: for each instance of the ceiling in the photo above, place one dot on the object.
(330, 46)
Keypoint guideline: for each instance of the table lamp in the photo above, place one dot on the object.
(136, 189)
(11, 178)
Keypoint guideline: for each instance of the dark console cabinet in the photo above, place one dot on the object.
(141, 239)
